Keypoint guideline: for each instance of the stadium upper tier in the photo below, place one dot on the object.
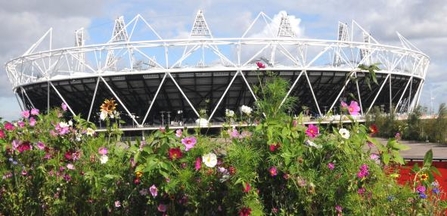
(153, 77)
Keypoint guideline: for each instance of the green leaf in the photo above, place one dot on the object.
(428, 158)
(386, 158)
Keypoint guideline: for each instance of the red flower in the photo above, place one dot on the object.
(137, 181)
(25, 146)
(247, 188)
(175, 153)
(232, 170)
(245, 211)
(260, 65)
(373, 129)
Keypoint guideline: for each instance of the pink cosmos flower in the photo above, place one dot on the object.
(178, 133)
(64, 106)
(273, 171)
(354, 108)
(34, 111)
(338, 208)
(198, 163)
(21, 124)
(25, 114)
(102, 150)
(233, 133)
(70, 166)
(331, 166)
(32, 121)
(62, 128)
(41, 145)
(189, 142)
(154, 190)
(162, 208)
(312, 131)
(260, 65)
(117, 204)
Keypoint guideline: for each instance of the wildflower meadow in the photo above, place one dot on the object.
(56, 164)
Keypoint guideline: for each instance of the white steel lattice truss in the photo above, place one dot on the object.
(282, 50)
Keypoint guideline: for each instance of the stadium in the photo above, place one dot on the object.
(159, 81)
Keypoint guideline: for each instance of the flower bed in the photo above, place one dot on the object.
(278, 166)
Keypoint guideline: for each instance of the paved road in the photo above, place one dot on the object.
(418, 149)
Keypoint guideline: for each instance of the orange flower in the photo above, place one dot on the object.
(108, 106)
(138, 174)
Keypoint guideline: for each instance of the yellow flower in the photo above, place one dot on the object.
(423, 177)
(138, 174)
(108, 106)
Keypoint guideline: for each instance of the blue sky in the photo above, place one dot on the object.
(423, 23)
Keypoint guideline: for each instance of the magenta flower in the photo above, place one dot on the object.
(2, 134)
(363, 171)
(361, 191)
(198, 163)
(420, 189)
(260, 65)
(354, 108)
(154, 191)
(189, 142)
(312, 131)
(34, 111)
(273, 171)
(25, 114)
(102, 150)
(9, 126)
(331, 166)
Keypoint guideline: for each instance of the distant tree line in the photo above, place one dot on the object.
(414, 127)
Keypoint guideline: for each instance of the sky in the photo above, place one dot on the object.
(422, 22)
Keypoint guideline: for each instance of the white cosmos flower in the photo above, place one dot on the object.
(344, 133)
(104, 159)
(210, 159)
(229, 113)
(103, 115)
(246, 110)
(90, 132)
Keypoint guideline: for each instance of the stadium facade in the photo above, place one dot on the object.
(158, 81)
